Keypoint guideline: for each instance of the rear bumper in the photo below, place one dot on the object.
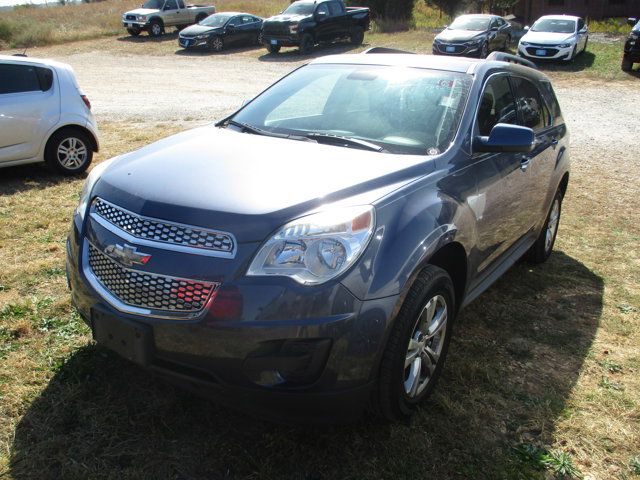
(288, 353)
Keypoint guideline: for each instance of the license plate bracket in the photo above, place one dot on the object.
(274, 42)
(131, 340)
(451, 49)
(541, 52)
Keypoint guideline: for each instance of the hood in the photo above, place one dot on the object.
(196, 29)
(448, 35)
(290, 18)
(547, 38)
(142, 11)
(248, 184)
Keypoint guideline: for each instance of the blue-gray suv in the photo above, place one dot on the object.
(305, 258)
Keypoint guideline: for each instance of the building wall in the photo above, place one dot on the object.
(530, 10)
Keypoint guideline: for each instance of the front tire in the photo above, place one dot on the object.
(69, 151)
(357, 36)
(156, 28)
(484, 50)
(273, 49)
(417, 345)
(133, 31)
(216, 44)
(541, 250)
(306, 44)
(626, 65)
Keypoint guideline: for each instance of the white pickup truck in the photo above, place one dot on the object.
(155, 15)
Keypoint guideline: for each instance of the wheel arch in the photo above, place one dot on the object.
(452, 258)
(94, 141)
(156, 19)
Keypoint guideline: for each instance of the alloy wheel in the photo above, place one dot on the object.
(425, 346)
(552, 225)
(217, 44)
(72, 153)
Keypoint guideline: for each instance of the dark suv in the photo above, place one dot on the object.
(631, 53)
(307, 256)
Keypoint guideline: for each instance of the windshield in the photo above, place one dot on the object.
(300, 9)
(153, 4)
(402, 110)
(470, 23)
(553, 25)
(216, 20)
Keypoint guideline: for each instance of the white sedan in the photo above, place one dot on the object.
(555, 37)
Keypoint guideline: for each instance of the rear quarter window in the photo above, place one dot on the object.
(19, 79)
(550, 98)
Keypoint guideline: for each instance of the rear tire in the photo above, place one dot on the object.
(134, 31)
(541, 250)
(306, 44)
(69, 151)
(273, 49)
(417, 345)
(626, 65)
(156, 28)
(357, 36)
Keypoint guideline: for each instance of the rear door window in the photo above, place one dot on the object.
(335, 8)
(20, 79)
(550, 99)
(497, 105)
(531, 110)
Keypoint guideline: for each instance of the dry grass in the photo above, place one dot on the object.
(542, 373)
(33, 26)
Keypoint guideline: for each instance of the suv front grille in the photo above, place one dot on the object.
(146, 290)
(131, 17)
(163, 231)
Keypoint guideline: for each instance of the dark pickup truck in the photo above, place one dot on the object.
(631, 53)
(306, 23)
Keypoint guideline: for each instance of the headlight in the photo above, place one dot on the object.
(564, 45)
(91, 180)
(142, 18)
(318, 247)
(202, 37)
(293, 28)
(476, 41)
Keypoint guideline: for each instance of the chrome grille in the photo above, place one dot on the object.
(150, 291)
(163, 231)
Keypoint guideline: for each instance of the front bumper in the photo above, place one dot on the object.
(134, 24)
(192, 42)
(269, 346)
(547, 52)
(281, 40)
(456, 49)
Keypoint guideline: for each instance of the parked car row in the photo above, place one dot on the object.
(302, 24)
(557, 37)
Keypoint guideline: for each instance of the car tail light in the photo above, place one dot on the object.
(86, 101)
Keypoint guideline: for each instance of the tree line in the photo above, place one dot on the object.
(403, 9)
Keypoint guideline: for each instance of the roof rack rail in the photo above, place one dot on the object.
(507, 57)
(385, 50)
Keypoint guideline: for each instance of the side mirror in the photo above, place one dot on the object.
(494, 29)
(505, 137)
(584, 29)
(632, 21)
(526, 28)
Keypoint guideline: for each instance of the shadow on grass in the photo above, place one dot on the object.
(204, 52)
(583, 61)
(516, 355)
(294, 55)
(171, 36)
(32, 176)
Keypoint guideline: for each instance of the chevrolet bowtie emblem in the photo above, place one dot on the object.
(127, 255)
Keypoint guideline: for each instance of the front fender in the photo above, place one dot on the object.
(409, 231)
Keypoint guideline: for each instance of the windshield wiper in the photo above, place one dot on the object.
(342, 141)
(259, 131)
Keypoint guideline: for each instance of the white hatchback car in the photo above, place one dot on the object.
(44, 116)
(555, 37)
